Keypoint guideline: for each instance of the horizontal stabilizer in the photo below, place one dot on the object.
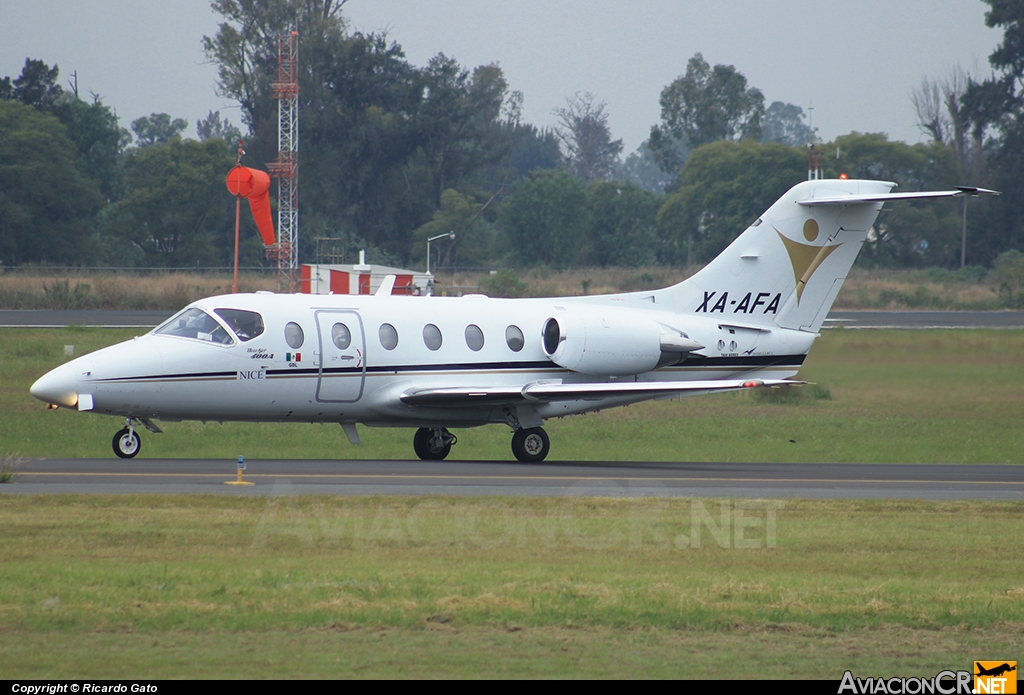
(547, 391)
(856, 199)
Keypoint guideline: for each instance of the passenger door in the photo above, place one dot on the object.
(342, 356)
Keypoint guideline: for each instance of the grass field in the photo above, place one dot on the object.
(208, 586)
(893, 396)
(203, 586)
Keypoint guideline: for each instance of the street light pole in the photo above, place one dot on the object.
(450, 235)
(963, 238)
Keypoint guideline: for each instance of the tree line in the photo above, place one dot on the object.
(392, 154)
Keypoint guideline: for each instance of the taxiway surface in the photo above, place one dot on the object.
(613, 479)
(847, 319)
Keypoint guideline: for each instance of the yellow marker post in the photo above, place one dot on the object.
(241, 467)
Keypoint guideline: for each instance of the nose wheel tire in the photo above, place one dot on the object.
(530, 445)
(432, 445)
(127, 443)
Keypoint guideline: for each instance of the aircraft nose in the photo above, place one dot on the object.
(58, 386)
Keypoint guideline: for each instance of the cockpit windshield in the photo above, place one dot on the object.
(197, 324)
(245, 324)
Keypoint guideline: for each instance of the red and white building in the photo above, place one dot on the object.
(361, 278)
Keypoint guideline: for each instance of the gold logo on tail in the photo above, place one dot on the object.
(805, 259)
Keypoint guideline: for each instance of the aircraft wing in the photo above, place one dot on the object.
(546, 391)
(855, 199)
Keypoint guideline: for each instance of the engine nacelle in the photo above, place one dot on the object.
(603, 345)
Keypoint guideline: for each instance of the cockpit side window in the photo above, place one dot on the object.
(245, 324)
(196, 324)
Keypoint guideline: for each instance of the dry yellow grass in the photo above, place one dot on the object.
(864, 289)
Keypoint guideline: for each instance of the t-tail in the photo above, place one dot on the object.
(786, 269)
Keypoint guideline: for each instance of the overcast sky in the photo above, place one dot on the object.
(856, 62)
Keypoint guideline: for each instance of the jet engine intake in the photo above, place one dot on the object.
(609, 344)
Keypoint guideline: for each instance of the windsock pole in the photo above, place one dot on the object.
(253, 184)
(238, 217)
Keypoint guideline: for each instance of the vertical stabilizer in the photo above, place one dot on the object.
(786, 269)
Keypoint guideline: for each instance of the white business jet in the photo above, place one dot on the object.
(746, 320)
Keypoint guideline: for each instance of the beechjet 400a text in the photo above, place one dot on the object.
(746, 320)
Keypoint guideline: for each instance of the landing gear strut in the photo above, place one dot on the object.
(433, 444)
(126, 442)
(530, 445)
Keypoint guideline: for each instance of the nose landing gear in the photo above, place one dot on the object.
(126, 442)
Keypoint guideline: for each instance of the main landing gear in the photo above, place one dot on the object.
(433, 444)
(529, 445)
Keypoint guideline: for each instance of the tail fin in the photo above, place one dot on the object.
(786, 269)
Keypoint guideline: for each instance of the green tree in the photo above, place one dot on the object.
(939, 105)
(641, 169)
(177, 212)
(157, 129)
(546, 219)
(919, 233)
(624, 231)
(36, 86)
(994, 111)
(99, 142)
(723, 187)
(474, 236)
(93, 127)
(47, 207)
(213, 127)
(702, 106)
(784, 124)
(388, 138)
(590, 152)
(534, 149)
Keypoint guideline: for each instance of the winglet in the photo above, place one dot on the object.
(975, 191)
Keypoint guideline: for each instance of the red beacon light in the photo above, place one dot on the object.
(842, 176)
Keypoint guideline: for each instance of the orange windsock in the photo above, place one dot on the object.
(254, 185)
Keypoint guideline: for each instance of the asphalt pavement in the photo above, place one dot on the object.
(574, 478)
(847, 319)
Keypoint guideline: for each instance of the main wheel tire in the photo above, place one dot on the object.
(531, 445)
(426, 448)
(126, 443)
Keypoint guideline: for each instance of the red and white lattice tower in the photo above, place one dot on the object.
(286, 168)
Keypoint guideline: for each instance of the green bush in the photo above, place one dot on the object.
(59, 295)
(792, 395)
(971, 273)
(504, 283)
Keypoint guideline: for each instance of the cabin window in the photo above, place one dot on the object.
(341, 336)
(293, 335)
(474, 337)
(388, 336)
(432, 336)
(514, 338)
(198, 325)
(246, 325)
